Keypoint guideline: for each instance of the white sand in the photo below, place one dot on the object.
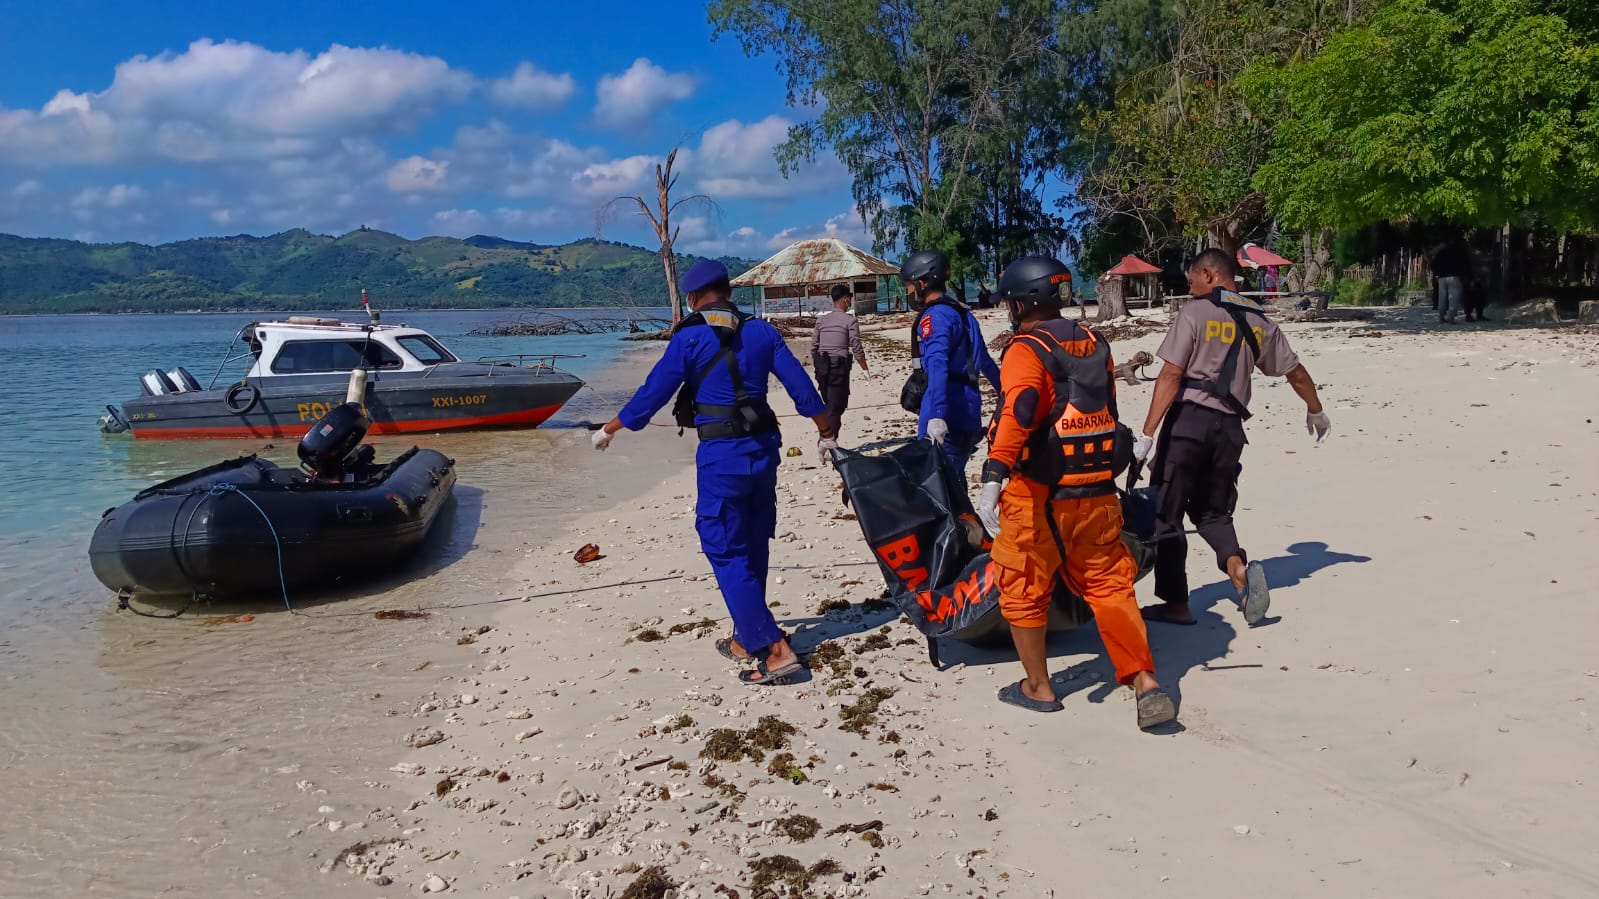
(1419, 721)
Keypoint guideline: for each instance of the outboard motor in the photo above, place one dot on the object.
(333, 445)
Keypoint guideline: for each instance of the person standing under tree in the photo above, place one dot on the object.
(718, 362)
(1200, 402)
(835, 343)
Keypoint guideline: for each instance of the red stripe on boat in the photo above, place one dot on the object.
(524, 418)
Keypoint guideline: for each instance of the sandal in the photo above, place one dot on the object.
(1155, 708)
(760, 674)
(725, 647)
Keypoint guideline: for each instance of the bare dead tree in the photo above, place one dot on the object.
(659, 214)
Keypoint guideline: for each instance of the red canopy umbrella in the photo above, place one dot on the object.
(1132, 265)
(1252, 256)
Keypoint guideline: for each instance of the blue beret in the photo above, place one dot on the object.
(704, 273)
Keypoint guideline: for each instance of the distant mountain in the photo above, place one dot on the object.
(301, 270)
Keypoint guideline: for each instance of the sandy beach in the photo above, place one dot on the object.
(1417, 717)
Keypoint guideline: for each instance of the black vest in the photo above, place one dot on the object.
(748, 415)
(1079, 446)
(1221, 387)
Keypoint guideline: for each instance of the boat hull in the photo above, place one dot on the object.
(187, 536)
(397, 403)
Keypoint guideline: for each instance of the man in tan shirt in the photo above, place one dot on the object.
(1215, 341)
(834, 343)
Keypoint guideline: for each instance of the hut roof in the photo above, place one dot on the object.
(816, 261)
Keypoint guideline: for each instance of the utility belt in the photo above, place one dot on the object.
(737, 421)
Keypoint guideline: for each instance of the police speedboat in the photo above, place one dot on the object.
(300, 369)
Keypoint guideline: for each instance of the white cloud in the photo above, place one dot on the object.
(417, 175)
(735, 161)
(233, 101)
(467, 222)
(751, 242)
(635, 95)
(114, 197)
(530, 88)
(27, 188)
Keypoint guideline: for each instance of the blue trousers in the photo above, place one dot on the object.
(736, 518)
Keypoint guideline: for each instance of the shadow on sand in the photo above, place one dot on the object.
(1177, 650)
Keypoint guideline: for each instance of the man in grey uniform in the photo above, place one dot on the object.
(1215, 341)
(834, 344)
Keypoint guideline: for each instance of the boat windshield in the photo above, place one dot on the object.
(426, 350)
(304, 356)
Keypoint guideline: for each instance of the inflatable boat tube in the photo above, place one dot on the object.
(218, 532)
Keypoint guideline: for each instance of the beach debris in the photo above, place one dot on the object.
(568, 797)
(768, 874)
(867, 827)
(794, 452)
(652, 763)
(1241, 829)
(652, 883)
(398, 615)
(435, 884)
(862, 714)
(425, 737)
(587, 553)
(528, 734)
(798, 828)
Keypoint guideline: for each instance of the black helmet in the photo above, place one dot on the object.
(928, 265)
(1034, 281)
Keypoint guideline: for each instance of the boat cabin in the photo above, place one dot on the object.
(302, 345)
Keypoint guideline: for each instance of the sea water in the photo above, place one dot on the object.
(142, 756)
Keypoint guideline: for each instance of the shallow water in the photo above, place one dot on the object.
(144, 756)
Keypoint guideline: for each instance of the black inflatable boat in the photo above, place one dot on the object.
(229, 530)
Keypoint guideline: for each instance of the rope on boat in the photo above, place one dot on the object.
(277, 543)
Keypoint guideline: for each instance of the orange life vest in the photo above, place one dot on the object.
(1079, 446)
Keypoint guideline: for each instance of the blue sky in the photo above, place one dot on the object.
(156, 121)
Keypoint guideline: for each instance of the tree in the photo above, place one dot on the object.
(660, 219)
(1175, 144)
(905, 90)
(1477, 113)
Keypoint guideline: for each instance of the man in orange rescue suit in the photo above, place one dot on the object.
(1055, 440)
(1215, 341)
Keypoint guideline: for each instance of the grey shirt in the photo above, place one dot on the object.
(1198, 342)
(838, 334)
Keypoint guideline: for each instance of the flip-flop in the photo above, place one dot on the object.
(1012, 694)
(725, 647)
(1257, 598)
(1155, 708)
(760, 674)
(1161, 614)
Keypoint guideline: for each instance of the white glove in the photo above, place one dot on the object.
(1318, 424)
(601, 439)
(937, 430)
(824, 448)
(1142, 447)
(988, 506)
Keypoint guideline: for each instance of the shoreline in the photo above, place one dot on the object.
(604, 757)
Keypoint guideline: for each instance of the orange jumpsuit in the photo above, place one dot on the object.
(1027, 558)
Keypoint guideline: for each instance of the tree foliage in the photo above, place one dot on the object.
(1479, 112)
(919, 99)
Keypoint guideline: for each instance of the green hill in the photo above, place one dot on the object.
(298, 269)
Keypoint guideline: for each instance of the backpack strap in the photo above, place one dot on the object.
(1220, 387)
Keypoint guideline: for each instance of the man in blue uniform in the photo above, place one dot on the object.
(947, 345)
(717, 363)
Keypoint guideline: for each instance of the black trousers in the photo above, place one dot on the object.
(1196, 469)
(832, 382)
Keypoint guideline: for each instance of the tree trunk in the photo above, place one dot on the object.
(669, 265)
(1112, 297)
(1504, 265)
